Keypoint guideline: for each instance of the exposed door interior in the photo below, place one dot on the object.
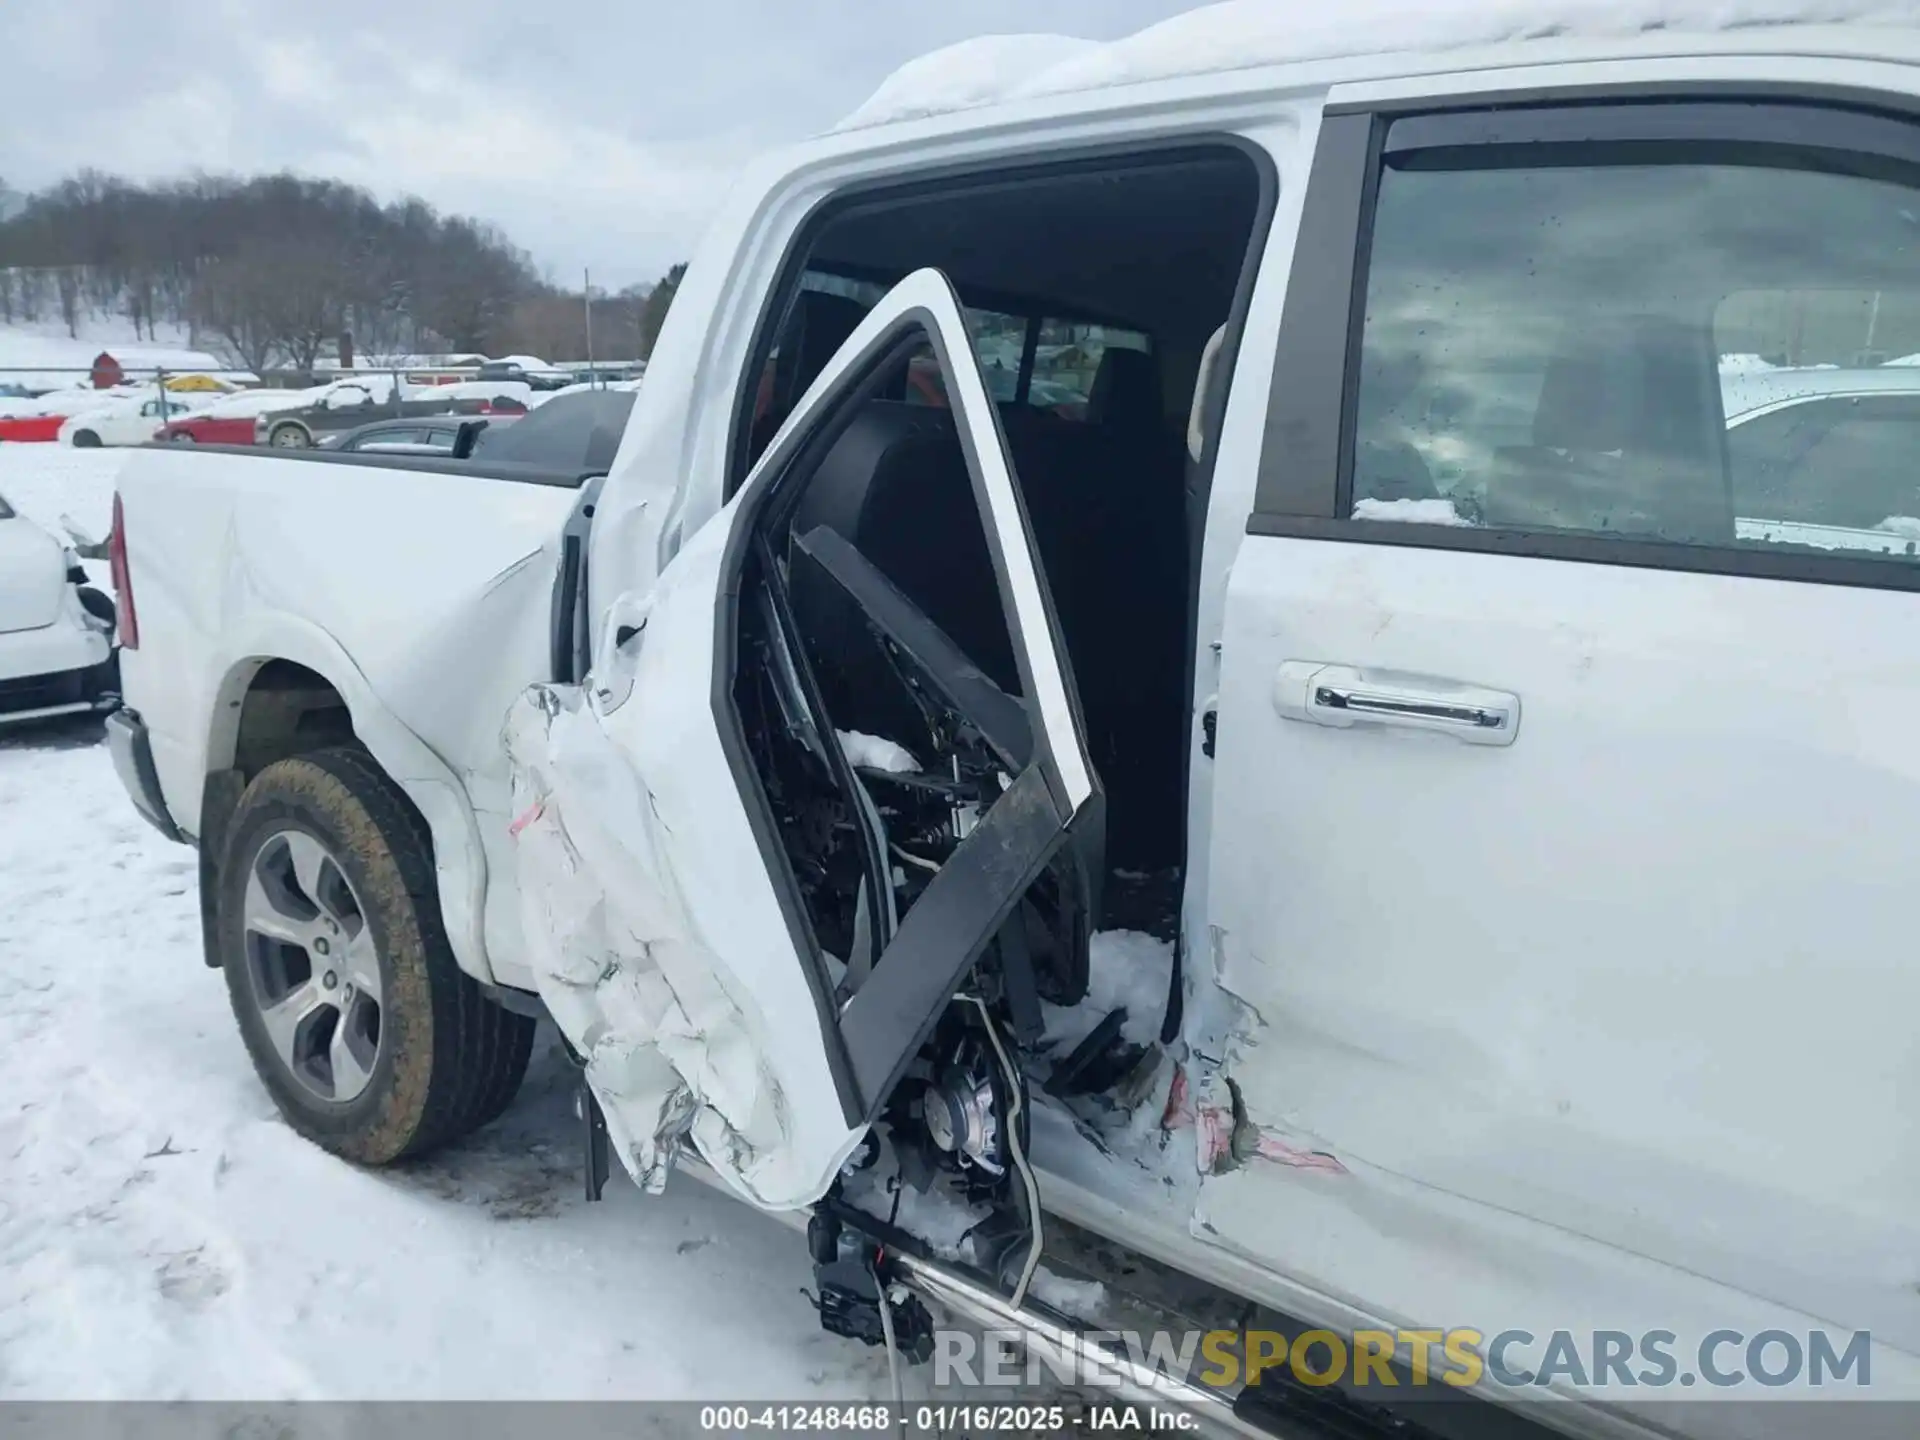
(886, 688)
(1091, 292)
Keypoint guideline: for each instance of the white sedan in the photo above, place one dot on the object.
(128, 422)
(56, 632)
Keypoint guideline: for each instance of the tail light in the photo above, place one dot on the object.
(126, 621)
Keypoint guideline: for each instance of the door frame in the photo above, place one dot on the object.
(875, 1034)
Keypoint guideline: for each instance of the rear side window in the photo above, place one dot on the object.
(1602, 349)
(1067, 364)
(1846, 463)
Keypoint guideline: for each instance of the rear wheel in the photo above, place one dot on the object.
(372, 1041)
(181, 437)
(289, 437)
(85, 440)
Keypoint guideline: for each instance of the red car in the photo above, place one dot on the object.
(208, 430)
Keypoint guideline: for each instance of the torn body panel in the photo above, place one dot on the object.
(656, 938)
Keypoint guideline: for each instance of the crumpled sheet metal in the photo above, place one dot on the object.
(618, 962)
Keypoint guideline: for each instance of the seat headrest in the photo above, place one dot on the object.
(1633, 386)
(1126, 389)
(819, 325)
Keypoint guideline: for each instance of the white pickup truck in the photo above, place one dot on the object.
(1179, 641)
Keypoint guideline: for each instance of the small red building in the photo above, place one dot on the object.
(106, 372)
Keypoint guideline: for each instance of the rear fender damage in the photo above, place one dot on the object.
(618, 963)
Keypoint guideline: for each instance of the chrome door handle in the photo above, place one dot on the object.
(1340, 696)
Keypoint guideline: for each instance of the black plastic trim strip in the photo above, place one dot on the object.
(949, 927)
(132, 754)
(1300, 455)
(561, 648)
(1766, 92)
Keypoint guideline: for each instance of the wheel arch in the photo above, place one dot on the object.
(286, 686)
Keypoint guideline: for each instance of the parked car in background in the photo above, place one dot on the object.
(348, 404)
(40, 418)
(576, 431)
(528, 368)
(227, 421)
(125, 422)
(201, 384)
(435, 435)
(56, 647)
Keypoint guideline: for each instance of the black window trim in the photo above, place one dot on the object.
(1304, 477)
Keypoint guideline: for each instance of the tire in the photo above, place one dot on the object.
(442, 1058)
(85, 440)
(180, 437)
(290, 436)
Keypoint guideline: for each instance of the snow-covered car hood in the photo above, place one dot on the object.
(33, 576)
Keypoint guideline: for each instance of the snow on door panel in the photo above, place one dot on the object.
(809, 778)
(1590, 993)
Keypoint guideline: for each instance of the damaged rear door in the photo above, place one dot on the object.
(672, 941)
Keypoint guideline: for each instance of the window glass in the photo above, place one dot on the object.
(1067, 360)
(998, 340)
(400, 436)
(1819, 472)
(1618, 350)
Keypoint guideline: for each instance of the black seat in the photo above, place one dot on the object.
(895, 485)
(1126, 390)
(817, 326)
(1627, 440)
(1104, 502)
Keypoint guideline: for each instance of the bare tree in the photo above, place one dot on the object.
(237, 301)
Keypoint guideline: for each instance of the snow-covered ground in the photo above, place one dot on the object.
(44, 354)
(164, 1235)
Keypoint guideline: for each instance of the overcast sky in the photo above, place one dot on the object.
(594, 132)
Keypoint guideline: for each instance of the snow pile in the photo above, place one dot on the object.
(1750, 364)
(1076, 1299)
(45, 482)
(1128, 970)
(1243, 34)
(1906, 526)
(64, 402)
(959, 77)
(938, 1218)
(876, 753)
(164, 1236)
(44, 356)
(247, 403)
(1410, 512)
(518, 390)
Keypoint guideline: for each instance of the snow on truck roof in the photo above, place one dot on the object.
(1246, 34)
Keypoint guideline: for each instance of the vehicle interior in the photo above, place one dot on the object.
(872, 605)
(1092, 292)
(876, 679)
